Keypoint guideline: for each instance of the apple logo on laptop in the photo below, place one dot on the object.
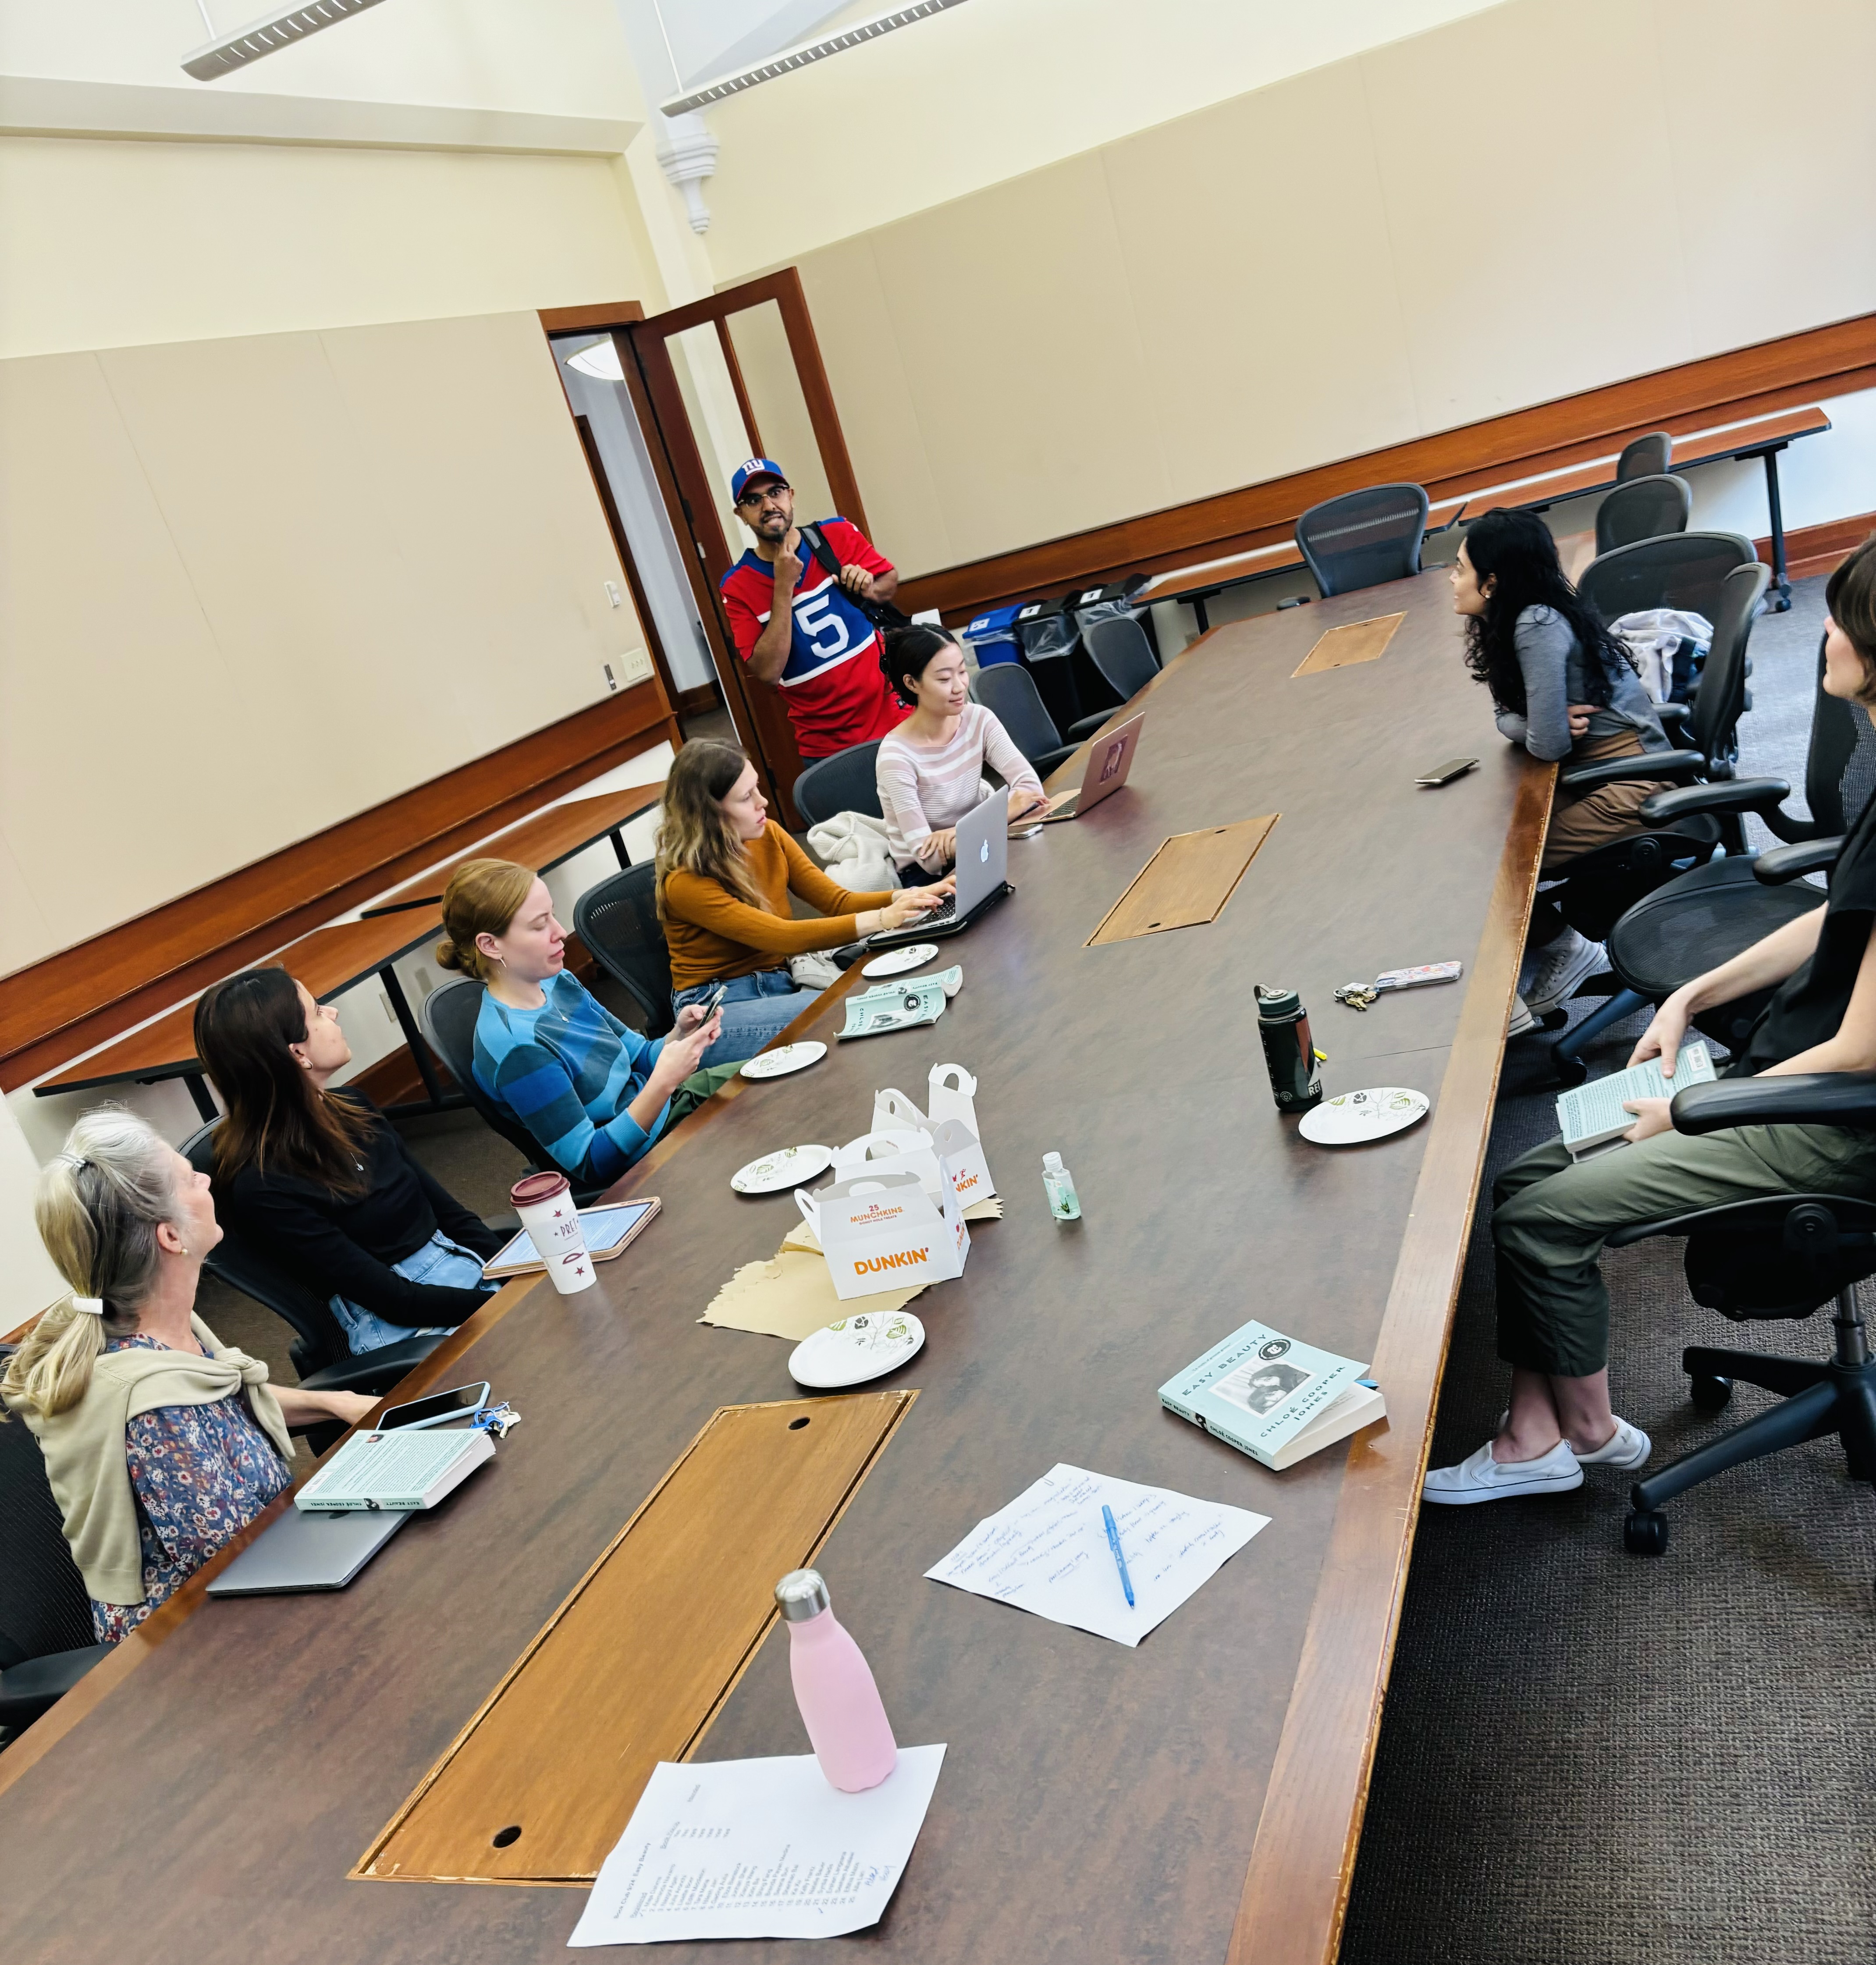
(984, 853)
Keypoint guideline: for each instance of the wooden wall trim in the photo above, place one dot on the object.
(53, 1010)
(1772, 375)
(1814, 549)
(589, 320)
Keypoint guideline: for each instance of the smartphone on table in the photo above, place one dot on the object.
(461, 1402)
(1444, 774)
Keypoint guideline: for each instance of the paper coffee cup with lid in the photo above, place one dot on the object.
(544, 1203)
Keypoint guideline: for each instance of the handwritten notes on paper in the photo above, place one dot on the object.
(758, 1849)
(1047, 1552)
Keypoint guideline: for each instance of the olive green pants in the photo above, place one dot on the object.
(699, 1086)
(1551, 1217)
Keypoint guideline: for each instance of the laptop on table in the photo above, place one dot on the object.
(309, 1549)
(982, 865)
(1110, 758)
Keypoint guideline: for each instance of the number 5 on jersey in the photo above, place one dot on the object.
(826, 632)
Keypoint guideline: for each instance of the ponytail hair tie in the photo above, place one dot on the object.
(88, 1306)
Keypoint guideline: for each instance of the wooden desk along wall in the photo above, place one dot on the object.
(1186, 883)
(635, 1665)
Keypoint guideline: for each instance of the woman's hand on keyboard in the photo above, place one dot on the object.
(910, 902)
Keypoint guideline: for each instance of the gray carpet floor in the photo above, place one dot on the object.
(1592, 1759)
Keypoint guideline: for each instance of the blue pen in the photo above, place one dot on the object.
(1120, 1561)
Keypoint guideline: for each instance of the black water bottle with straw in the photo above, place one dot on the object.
(1289, 1053)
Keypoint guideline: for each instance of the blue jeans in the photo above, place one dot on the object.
(758, 1009)
(439, 1261)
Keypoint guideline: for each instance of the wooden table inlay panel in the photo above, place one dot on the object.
(636, 1663)
(1342, 647)
(1187, 883)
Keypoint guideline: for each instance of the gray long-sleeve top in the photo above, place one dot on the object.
(1552, 661)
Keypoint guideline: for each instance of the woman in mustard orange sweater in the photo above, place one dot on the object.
(725, 872)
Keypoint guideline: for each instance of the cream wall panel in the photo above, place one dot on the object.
(513, 622)
(268, 491)
(108, 244)
(879, 412)
(1225, 301)
(106, 802)
(1521, 283)
(1773, 185)
(1024, 356)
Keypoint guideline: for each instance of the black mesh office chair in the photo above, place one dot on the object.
(1009, 692)
(320, 1354)
(1708, 915)
(1647, 456)
(1120, 650)
(1783, 1256)
(46, 1641)
(846, 782)
(1683, 570)
(1644, 508)
(1364, 538)
(617, 921)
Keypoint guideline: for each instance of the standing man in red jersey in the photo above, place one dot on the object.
(794, 614)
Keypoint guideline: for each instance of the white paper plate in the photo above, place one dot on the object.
(858, 1348)
(790, 1168)
(779, 1063)
(896, 961)
(1357, 1117)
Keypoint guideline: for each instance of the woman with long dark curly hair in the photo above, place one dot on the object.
(1563, 687)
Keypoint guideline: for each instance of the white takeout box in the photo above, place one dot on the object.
(891, 1150)
(952, 1101)
(884, 1231)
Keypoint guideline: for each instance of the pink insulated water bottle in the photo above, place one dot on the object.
(847, 1726)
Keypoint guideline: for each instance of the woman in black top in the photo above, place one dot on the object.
(1553, 1215)
(321, 1179)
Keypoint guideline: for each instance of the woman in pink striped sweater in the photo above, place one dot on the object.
(930, 770)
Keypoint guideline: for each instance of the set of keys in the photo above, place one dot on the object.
(1359, 995)
(497, 1420)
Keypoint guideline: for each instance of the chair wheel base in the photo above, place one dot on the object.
(1709, 1391)
(1645, 1532)
(1568, 1070)
(1553, 1020)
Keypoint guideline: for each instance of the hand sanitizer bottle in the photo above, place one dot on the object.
(840, 1705)
(1064, 1202)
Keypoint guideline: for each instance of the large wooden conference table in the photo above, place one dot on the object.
(201, 1797)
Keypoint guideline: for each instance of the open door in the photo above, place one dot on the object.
(739, 375)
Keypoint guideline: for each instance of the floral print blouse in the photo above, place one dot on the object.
(200, 1474)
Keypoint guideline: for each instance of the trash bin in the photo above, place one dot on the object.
(1051, 640)
(993, 637)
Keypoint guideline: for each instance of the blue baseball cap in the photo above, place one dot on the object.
(757, 467)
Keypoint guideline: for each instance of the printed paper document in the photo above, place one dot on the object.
(758, 1849)
(1047, 1552)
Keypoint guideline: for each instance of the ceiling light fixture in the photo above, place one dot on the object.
(223, 54)
(600, 361)
(802, 56)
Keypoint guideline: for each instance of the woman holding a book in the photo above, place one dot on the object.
(1563, 688)
(161, 1443)
(1553, 1215)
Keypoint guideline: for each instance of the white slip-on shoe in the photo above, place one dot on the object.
(1480, 1478)
(1521, 1018)
(1627, 1446)
(1569, 960)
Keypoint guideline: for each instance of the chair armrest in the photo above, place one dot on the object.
(1084, 727)
(1791, 863)
(1050, 761)
(1674, 716)
(1618, 770)
(374, 1372)
(1736, 795)
(35, 1686)
(1804, 1098)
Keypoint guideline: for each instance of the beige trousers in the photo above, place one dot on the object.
(1579, 826)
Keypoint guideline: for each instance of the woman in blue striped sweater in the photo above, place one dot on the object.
(595, 1093)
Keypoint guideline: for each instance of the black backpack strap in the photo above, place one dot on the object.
(822, 551)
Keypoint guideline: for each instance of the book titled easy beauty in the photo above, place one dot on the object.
(1273, 1397)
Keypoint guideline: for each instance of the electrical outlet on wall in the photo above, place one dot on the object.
(635, 665)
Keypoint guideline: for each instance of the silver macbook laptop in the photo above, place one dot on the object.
(983, 868)
(1110, 758)
(309, 1549)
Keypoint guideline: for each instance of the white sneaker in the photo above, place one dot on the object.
(1627, 1446)
(1568, 961)
(1482, 1478)
(1521, 1018)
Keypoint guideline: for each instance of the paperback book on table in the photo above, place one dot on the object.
(1273, 1397)
(400, 1470)
(1594, 1117)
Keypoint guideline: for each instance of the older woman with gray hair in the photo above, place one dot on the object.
(161, 1443)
